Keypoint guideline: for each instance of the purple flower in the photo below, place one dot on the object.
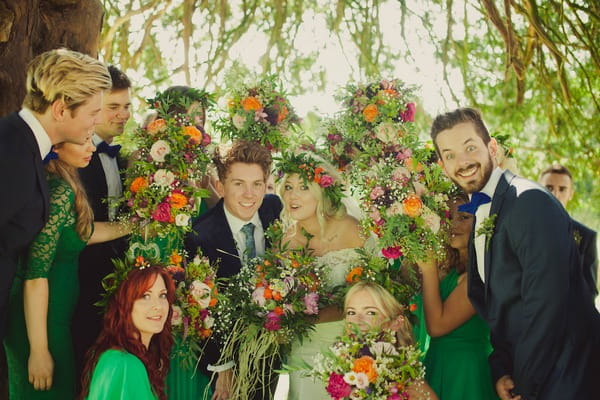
(273, 323)
(337, 387)
(365, 351)
(326, 181)
(409, 114)
(311, 303)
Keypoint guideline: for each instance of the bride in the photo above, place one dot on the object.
(312, 194)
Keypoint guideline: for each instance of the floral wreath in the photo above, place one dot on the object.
(167, 99)
(259, 112)
(310, 170)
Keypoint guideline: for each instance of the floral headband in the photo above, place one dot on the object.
(310, 170)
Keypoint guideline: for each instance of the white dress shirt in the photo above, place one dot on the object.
(482, 213)
(113, 179)
(236, 224)
(41, 137)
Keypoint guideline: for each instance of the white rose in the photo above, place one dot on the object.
(386, 132)
(400, 173)
(238, 121)
(420, 189)
(395, 209)
(432, 220)
(177, 317)
(201, 293)
(182, 219)
(162, 177)
(209, 322)
(159, 150)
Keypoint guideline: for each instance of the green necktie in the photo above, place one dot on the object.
(248, 231)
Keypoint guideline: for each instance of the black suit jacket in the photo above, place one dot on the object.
(586, 243)
(24, 201)
(95, 262)
(212, 234)
(543, 323)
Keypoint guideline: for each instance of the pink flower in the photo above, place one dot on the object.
(311, 303)
(177, 317)
(326, 181)
(404, 154)
(258, 296)
(409, 114)
(376, 192)
(273, 323)
(391, 252)
(337, 387)
(162, 212)
(375, 215)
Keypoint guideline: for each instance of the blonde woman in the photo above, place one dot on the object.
(312, 194)
(38, 344)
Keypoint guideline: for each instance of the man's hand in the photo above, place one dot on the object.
(504, 388)
(41, 369)
(223, 385)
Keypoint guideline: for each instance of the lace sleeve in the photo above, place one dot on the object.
(43, 249)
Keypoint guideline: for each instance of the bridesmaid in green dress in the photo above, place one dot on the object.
(456, 361)
(130, 358)
(38, 343)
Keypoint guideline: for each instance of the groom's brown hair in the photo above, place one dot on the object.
(246, 152)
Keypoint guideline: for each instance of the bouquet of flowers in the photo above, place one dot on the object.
(401, 188)
(368, 366)
(163, 187)
(265, 307)
(259, 112)
(193, 315)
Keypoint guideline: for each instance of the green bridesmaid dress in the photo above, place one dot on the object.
(53, 255)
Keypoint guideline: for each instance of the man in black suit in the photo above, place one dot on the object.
(103, 186)
(558, 180)
(62, 104)
(233, 230)
(524, 273)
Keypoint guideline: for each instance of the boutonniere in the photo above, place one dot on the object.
(577, 237)
(487, 229)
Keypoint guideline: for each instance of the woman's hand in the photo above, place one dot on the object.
(41, 369)
(223, 385)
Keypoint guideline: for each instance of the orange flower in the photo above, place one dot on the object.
(268, 294)
(354, 274)
(176, 258)
(213, 302)
(178, 200)
(277, 296)
(251, 103)
(205, 333)
(138, 184)
(412, 307)
(365, 364)
(278, 310)
(295, 264)
(139, 261)
(370, 112)
(156, 126)
(390, 92)
(283, 113)
(267, 263)
(412, 206)
(410, 164)
(194, 134)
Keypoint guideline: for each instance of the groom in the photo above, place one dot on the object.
(62, 104)
(221, 233)
(524, 274)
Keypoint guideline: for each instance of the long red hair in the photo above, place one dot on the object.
(119, 332)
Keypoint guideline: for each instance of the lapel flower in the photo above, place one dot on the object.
(487, 229)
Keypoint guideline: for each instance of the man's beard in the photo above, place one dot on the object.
(475, 185)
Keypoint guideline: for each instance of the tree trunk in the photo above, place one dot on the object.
(31, 27)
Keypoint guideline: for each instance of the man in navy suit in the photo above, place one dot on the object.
(558, 180)
(524, 273)
(103, 186)
(222, 232)
(62, 104)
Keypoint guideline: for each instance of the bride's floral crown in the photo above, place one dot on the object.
(312, 170)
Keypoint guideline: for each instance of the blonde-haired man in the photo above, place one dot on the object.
(62, 104)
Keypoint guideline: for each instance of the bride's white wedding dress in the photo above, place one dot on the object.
(339, 263)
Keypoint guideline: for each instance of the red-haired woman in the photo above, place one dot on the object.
(130, 358)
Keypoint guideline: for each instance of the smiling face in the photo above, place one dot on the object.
(461, 224)
(115, 114)
(466, 159)
(75, 126)
(243, 190)
(150, 312)
(363, 311)
(76, 155)
(300, 202)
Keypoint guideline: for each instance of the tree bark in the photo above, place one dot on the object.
(31, 27)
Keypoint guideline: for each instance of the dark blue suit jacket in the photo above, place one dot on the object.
(24, 203)
(212, 234)
(544, 328)
(586, 242)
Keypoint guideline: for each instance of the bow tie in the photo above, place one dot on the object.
(52, 155)
(477, 199)
(111, 151)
